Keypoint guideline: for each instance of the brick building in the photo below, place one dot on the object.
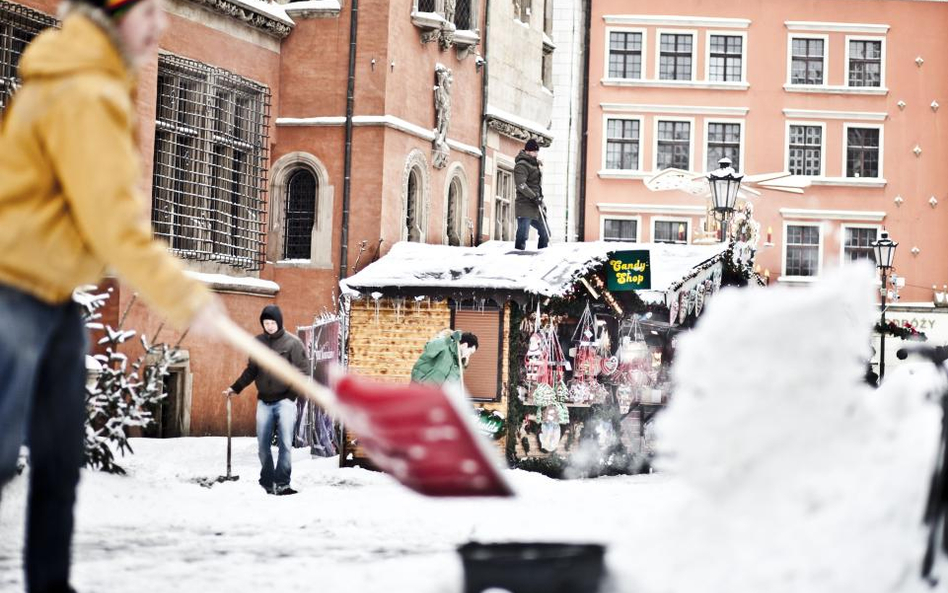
(287, 145)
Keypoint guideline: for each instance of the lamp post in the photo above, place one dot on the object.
(884, 251)
(725, 183)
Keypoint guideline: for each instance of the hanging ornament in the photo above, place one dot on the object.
(682, 306)
(699, 299)
(673, 310)
(550, 432)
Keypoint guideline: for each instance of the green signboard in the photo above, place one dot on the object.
(629, 270)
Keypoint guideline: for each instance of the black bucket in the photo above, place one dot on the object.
(532, 568)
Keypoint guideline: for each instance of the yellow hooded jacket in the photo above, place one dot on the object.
(69, 174)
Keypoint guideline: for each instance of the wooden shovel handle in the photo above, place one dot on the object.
(232, 334)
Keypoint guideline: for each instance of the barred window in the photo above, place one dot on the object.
(18, 26)
(462, 15)
(862, 152)
(211, 151)
(625, 55)
(865, 63)
(675, 57)
(674, 145)
(858, 244)
(726, 58)
(806, 148)
(301, 191)
(803, 250)
(724, 141)
(670, 231)
(622, 144)
(503, 206)
(620, 229)
(806, 63)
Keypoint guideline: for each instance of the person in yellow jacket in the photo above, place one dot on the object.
(70, 208)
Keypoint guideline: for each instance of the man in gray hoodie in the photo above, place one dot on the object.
(276, 402)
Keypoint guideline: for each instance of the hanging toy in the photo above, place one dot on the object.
(550, 431)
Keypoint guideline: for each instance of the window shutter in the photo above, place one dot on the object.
(481, 375)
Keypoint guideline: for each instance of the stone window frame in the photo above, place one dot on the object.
(416, 162)
(879, 149)
(430, 17)
(658, 143)
(457, 173)
(805, 147)
(850, 60)
(675, 227)
(846, 251)
(633, 218)
(321, 246)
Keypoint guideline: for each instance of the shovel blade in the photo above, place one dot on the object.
(423, 436)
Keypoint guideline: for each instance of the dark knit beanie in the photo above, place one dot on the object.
(113, 8)
(532, 146)
(273, 313)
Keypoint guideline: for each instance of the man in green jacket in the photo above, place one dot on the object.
(443, 356)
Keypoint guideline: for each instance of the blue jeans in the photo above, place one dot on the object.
(42, 402)
(282, 416)
(523, 229)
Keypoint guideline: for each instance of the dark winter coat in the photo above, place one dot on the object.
(439, 362)
(269, 388)
(528, 179)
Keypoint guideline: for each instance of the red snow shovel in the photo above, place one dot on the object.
(421, 435)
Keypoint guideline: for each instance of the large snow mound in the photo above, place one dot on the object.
(800, 476)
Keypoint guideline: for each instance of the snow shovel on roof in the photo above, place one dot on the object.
(422, 435)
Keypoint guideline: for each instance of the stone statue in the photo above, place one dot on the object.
(442, 99)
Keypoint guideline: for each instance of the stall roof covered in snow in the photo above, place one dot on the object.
(496, 267)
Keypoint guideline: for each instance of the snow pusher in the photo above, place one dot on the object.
(422, 435)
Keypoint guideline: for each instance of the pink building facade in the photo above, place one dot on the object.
(844, 92)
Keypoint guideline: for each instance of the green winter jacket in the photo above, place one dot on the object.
(439, 361)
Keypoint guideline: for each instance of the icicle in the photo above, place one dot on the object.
(376, 296)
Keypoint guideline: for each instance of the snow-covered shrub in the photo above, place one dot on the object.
(119, 395)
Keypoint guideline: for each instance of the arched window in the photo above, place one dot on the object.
(453, 215)
(300, 214)
(413, 207)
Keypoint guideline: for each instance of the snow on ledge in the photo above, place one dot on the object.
(527, 124)
(313, 8)
(270, 9)
(224, 283)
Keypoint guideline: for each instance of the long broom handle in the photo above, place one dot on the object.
(228, 437)
(232, 334)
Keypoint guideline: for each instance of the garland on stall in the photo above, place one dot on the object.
(906, 331)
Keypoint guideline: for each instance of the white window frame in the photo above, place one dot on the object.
(656, 74)
(845, 143)
(689, 228)
(605, 138)
(707, 55)
(605, 64)
(691, 139)
(503, 163)
(717, 120)
(842, 237)
(849, 38)
(783, 254)
(636, 218)
(786, 144)
(790, 37)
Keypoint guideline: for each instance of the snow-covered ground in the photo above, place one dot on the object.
(782, 473)
(347, 530)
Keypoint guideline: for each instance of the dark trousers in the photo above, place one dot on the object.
(523, 229)
(42, 403)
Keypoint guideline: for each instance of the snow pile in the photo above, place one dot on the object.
(496, 265)
(800, 477)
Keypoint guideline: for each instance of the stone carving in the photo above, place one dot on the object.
(442, 100)
(268, 25)
(516, 132)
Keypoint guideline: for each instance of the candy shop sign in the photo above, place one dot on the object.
(629, 270)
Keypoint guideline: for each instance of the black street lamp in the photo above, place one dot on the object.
(725, 183)
(884, 251)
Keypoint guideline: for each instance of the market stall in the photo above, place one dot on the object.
(575, 340)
